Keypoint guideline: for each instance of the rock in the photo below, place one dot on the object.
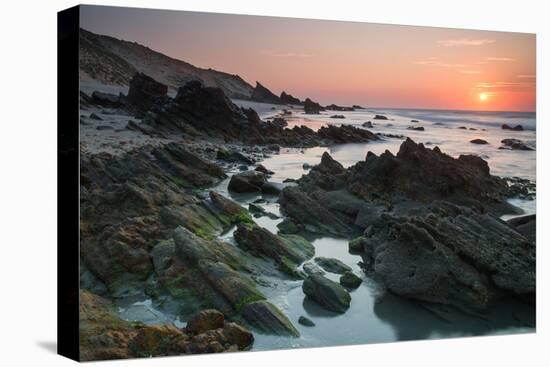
(272, 188)
(307, 166)
(380, 117)
(452, 255)
(358, 107)
(288, 227)
(312, 108)
(104, 127)
(105, 100)
(238, 335)
(515, 144)
(305, 321)
(368, 125)
(478, 141)
(311, 268)
(268, 319)
(355, 246)
(334, 107)
(526, 225)
(229, 210)
(515, 128)
(289, 99)
(350, 280)
(204, 321)
(416, 128)
(230, 155)
(144, 92)
(236, 288)
(249, 181)
(288, 180)
(279, 248)
(258, 211)
(462, 128)
(94, 116)
(328, 294)
(337, 117)
(279, 122)
(264, 95)
(345, 134)
(264, 170)
(332, 265)
(415, 121)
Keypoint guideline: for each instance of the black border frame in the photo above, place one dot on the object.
(68, 193)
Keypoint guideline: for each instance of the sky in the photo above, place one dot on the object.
(346, 63)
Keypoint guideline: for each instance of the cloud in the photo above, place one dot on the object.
(525, 76)
(465, 42)
(499, 59)
(502, 86)
(470, 72)
(286, 54)
(439, 63)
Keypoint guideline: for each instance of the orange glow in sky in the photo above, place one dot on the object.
(342, 62)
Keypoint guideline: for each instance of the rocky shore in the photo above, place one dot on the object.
(426, 225)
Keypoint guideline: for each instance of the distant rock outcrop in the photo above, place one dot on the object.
(514, 128)
(264, 95)
(289, 99)
(145, 91)
(312, 108)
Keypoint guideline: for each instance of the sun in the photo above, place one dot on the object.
(482, 97)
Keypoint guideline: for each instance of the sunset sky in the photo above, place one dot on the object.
(342, 62)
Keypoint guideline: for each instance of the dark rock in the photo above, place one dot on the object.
(264, 95)
(332, 265)
(415, 121)
(337, 117)
(416, 128)
(279, 122)
(204, 321)
(312, 108)
(272, 188)
(515, 144)
(380, 117)
(305, 321)
(228, 210)
(231, 155)
(368, 125)
(526, 225)
(452, 255)
(268, 319)
(258, 211)
(145, 91)
(355, 246)
(105, 127)
(334, 107)
(238, 335)
(289, 99)
(288, 227)
(345, 134)
(106, 99)
(94, 116)
(350, 280)
(514, 128)
(249, 181)
(478, 141)
(311, 268)
(307, 166)
(462, 128)
(328, 294)
(264, 170)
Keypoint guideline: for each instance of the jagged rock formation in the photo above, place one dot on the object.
(312, 108)
(289, 99)
(144, 92)
(430, 227)
(264, 95)
(334, 107)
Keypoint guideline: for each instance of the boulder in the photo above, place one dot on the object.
(312, 268)
(231, 155)
(269, 319)
(261, 168)
(416, 128)
(105, 100)
(479, 141)
(204, 321)
(326, 293)
(514, 128)
(368, 125)
(515, 144)
(237, 335)
(380, 117)
(526, 225)
(228, 210)
(350, 280)
(334, 107)
(272, 188)
(337, 117)
(249, 181)
(332, 265)
(345, 134)
(305, 321)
